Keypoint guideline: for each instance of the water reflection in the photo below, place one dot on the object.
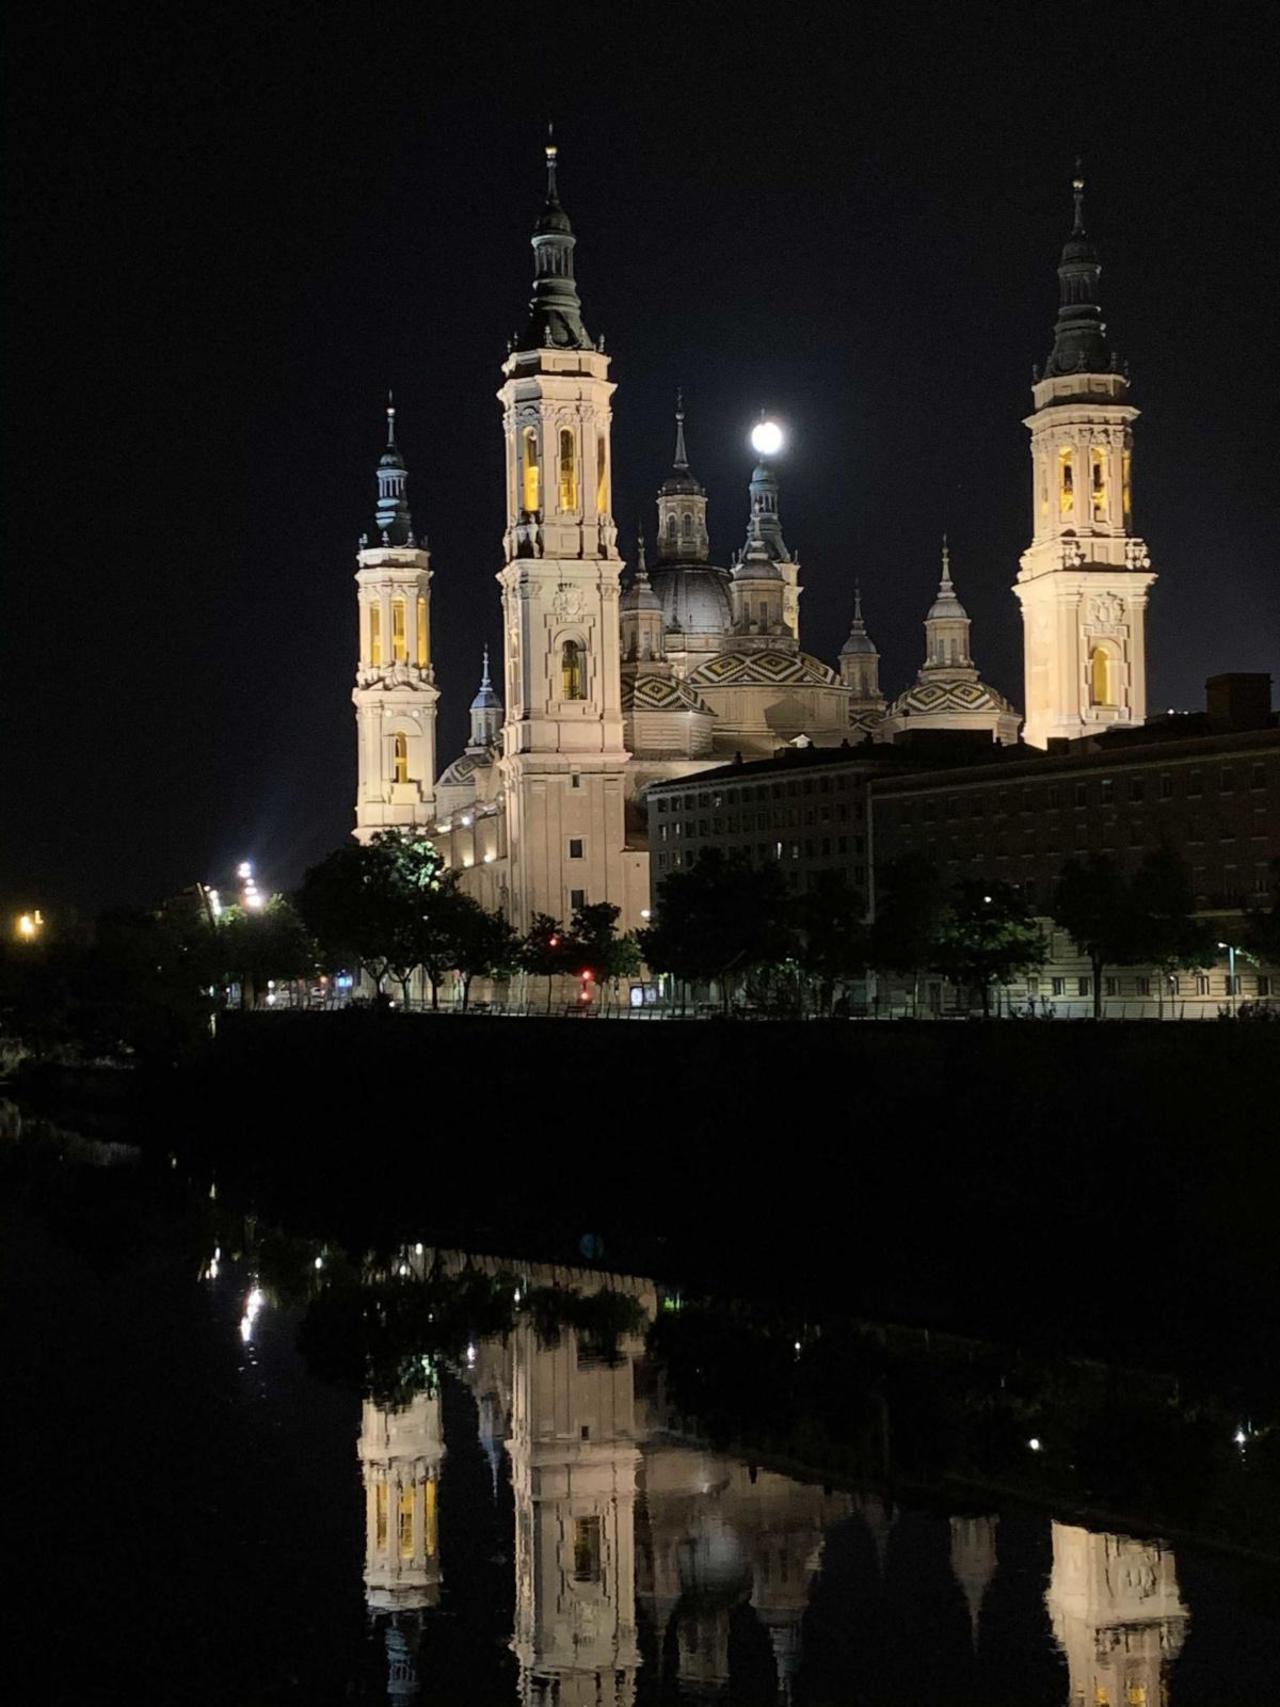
(648, 1566)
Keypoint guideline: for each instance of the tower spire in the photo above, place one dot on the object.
(681, 460)
(394, 523)
(555, 311)
(1079, 334)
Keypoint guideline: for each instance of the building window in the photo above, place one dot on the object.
(1084, 986)
(399, 636)
(1111, 986)
(572, 674)
(406, 1522)
(1066, 482)
(1166, 786)
(380, 1515)
(1102, 685)
(1059, 986)
(575, 847)
(531, 493)
(431, 1538)
(1137, 791)
(1144, 986)
(400, 757)
(568, 470)
(687, 525)
(1202, 983)
(1227, 780)
(577, 899)
(1107, 791)
(1126, 481)
(1195, 783)
(375, 636)
(1082, 794)
(575, 781)
(586, 1550)
(424, 635)
(1264, 984)
(602, 476)
(1098, 483)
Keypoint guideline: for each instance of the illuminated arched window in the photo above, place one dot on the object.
(531, 495)
(431, 1525)
(572, 673)
(406, 1522)
(568, 470)
(1126, 481)
(375, 635)
(1101, 677)
(399, 635)
(602, 477)
(400, 758)
(1098, 484)
(1066, 483)
(424, 634)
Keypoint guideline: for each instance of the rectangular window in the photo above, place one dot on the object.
(1202, 984)
(1166, 786)
(380, 1515)
(1084, 986)
(1055, 799)
(575, 781)
(586, 1550)
(1082, 794)
(1258, 778)
(1137, 790)
(406, 1522)
(1059, 986)
(1226, 780)
(575, 847)
(432, 1525)
(399, 638)
(1111, 987)
(1195, 783)
(577, 898)
(375, 636)
(1108, 790)
(424, 637)
(1144, 986)
(1264, 984)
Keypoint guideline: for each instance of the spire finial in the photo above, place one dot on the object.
(552, 153)
(642, 572)
(857, 599)
(1077, 190)
(682, 455)
(946, 562)
(391, 419)
(484, 668)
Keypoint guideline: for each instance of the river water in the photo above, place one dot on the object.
(250, 1468)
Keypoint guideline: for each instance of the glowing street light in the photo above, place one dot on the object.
(30, 925)
(766, 438)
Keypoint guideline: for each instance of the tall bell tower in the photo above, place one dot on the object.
(395, 693)
(564, 759)
(1084, 578)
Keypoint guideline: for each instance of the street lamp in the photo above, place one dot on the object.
(1231, 972)
(30, 925)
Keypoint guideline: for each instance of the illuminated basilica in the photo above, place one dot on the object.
(608, 684)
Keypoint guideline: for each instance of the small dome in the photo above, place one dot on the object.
(695, 597)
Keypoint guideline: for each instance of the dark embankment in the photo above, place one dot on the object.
(1106, 1187)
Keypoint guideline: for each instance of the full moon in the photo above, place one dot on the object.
(766, 438)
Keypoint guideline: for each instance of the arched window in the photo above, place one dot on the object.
(568, 470)
(531, 492)
(1126, 482)
(375, 636)
(399, 638)
(602, 477)
(1066, 483)
(1098, 483)
(572, 674)
(406, 1522)
(400, 758)
(424, 634)
(1102, 684)
(688, 525)
(671, 530)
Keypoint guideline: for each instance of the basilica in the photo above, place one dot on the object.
(611, 682)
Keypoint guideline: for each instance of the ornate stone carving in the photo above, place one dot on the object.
(1106, 610)
(568, 603)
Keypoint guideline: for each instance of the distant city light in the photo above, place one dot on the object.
(1240, 1437)
(245, 868)
(766, 438)
(319, 1262)
(1034, 1443)
(30, 925)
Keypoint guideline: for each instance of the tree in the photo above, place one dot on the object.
(256, 947)
(542, 951)
(485, 945)
(363, 904)
(834, 943)
(1169, 937)
(986, 934)
(1096, 905)
(592, 944)
(909, 906)
(718, 918)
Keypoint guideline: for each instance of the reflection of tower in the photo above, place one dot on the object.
(400, 1456)
(574, 1453)
(1117, 1616)
(973, 1560)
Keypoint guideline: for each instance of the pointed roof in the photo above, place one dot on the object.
(555, 312)
(1079, 334)
(640, 595)
(766, 523)
(859, 640)
(946, 607)
(486, 699)
(681, 481)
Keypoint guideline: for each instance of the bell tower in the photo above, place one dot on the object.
(1084, 578)
(564, 758)
(395, 693)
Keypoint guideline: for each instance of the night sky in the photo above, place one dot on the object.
(230, 231)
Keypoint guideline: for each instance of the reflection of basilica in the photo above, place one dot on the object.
(625, 1529)
(1117, 1615)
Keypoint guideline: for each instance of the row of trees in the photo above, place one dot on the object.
(723, 921)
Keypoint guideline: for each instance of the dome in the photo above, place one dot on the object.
(695, 597)
(961, 693)
(763, 669)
